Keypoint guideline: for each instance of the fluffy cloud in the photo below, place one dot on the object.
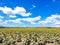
(30, 20)
(53, 21)
(6, 10)
(52, 18)
(1, 17)
(12, 16)
(17, 10)
(2, 22)
(15, 21)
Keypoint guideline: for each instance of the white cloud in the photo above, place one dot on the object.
(58, 22)
(12, 16)
(34, 6)
(32, 20)
(17, 10)
(1, 17)
(53, 20)
(21, 11)
(6, 10)
(25, 14)
(15, 21)
(2, 22)
(20, 20)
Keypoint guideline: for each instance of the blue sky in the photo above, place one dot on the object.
(30, 13)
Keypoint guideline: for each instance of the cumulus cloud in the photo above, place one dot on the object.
(17, 10)
(15, 21)
(2, 22)
(32, 20)
(20, 20)
(53, 20)
(12, 16)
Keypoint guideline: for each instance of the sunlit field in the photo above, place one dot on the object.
(30, 36)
